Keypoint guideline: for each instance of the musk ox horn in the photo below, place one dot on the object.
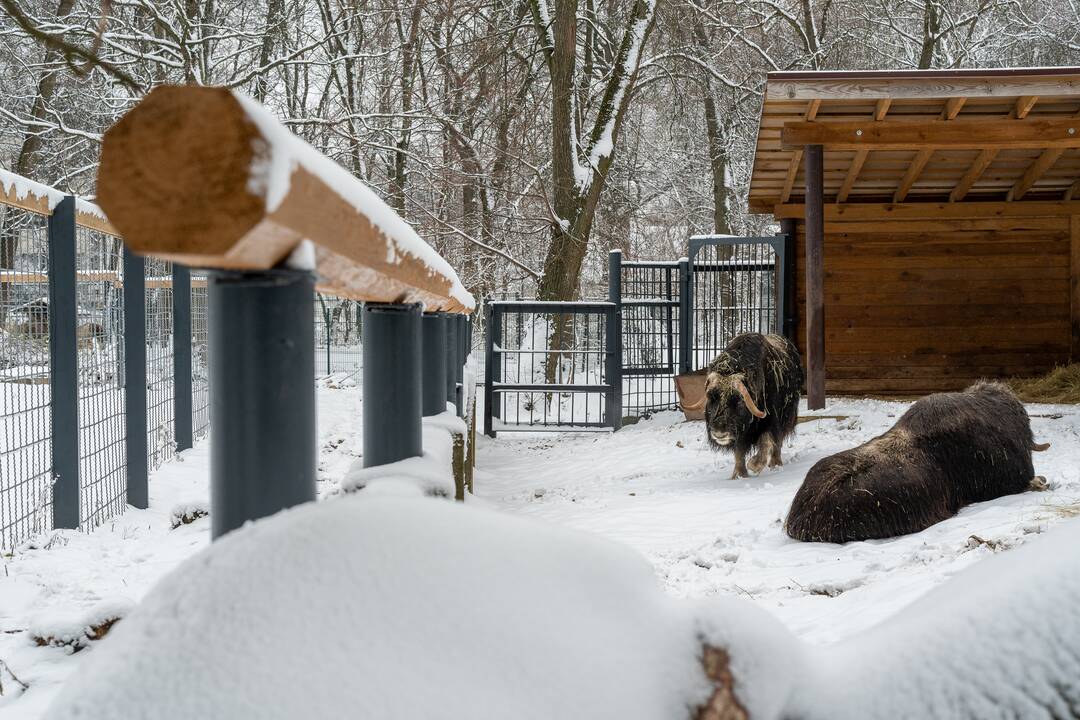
(750, 405)
(1039, 447)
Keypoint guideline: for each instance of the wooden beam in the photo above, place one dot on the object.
(952, 108)
(949, 112)
(972, 175)
(1074, 290)
(1073, 193)
(207, 178)
(815, 277)
(1023, 106)
(933, 211)
(796, 159)
(1035, 171)
(918, 135)
(924, 85)
(880, 110)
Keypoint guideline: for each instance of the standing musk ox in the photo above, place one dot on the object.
(947, 451)
(752, 399)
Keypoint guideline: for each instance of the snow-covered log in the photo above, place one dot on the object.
(23, 193)
(208, 177)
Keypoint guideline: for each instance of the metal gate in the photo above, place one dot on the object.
(552, 366)
(732, 285)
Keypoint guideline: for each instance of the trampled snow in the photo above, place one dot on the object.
(852, 618)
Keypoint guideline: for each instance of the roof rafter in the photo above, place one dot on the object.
(796, 158)
(880, 110)
(949, 112)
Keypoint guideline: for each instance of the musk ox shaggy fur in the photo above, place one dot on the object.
(947, 451)
(752, 399)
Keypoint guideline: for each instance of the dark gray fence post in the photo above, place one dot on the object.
(780, 248)
(614, 358)
(262, 398)
(392, 383)
(489, 368)
(788, 228)
(64, 358)
(182, 416)
(433, 364)
(686, 343)
(450, 358)
(138, 493)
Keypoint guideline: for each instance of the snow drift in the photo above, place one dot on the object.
(419, 608)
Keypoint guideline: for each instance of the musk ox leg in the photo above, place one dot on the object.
(764, 454)
(1038, 484)
(740, 465)
(774, 457)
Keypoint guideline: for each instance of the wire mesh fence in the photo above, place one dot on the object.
(200, 356)
(161, 431)
(100, 352)
(338, 336)
(25, 417)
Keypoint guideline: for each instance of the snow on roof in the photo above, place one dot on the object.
(271, 174)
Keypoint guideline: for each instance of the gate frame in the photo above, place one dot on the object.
(780, 244)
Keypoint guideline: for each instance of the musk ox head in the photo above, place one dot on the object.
(729, 409)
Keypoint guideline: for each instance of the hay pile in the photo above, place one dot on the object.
(1060, 385)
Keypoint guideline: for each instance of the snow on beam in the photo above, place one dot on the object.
(25, 194)
(209, 178)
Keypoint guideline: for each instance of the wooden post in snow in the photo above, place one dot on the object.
(815, 290)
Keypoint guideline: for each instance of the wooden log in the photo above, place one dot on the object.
(1074, 290)
(209, 178)
(815, 296)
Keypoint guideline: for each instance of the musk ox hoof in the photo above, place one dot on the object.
(755, 464)
(1038, 484)
(739, 473)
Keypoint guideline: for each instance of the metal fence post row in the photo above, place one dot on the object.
(613, 331)
(392, 383)
(63, 352)
(262, 402)
(433, 364)
(138, 493)
(182, 397)
(685, 301)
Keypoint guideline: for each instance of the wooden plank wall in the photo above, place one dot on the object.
(920, 306)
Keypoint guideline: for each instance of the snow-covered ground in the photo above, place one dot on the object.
(657, 487)
(654, 486)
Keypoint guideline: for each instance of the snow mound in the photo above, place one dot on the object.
(1001, 639)
(77, 630)
(382, 607)
(430, 474)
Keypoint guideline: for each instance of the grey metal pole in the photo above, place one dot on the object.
(262, 398)
(182, 422)
(433, 366)
(450, 357)
(392, 383)
(489, 370)
(138, 492)
(64, 360)
(686, 342)
(613, 331)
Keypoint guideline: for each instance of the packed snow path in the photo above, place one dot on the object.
(657, 487)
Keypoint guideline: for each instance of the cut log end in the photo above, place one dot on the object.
(174, 174)
(723, 703)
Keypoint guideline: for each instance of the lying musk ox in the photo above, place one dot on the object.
(752, 399)
(946, 451)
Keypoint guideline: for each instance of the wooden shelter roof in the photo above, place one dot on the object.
(948, 137)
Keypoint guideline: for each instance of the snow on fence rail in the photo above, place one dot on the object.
(207, 177)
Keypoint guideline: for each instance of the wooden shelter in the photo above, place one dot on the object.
(937, 222)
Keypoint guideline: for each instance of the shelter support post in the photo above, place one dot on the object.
(1074, 288)
(815, 291)
(433, 364)
(262, 400)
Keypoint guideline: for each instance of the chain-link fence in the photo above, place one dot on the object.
(338, 336)
(25, 411)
